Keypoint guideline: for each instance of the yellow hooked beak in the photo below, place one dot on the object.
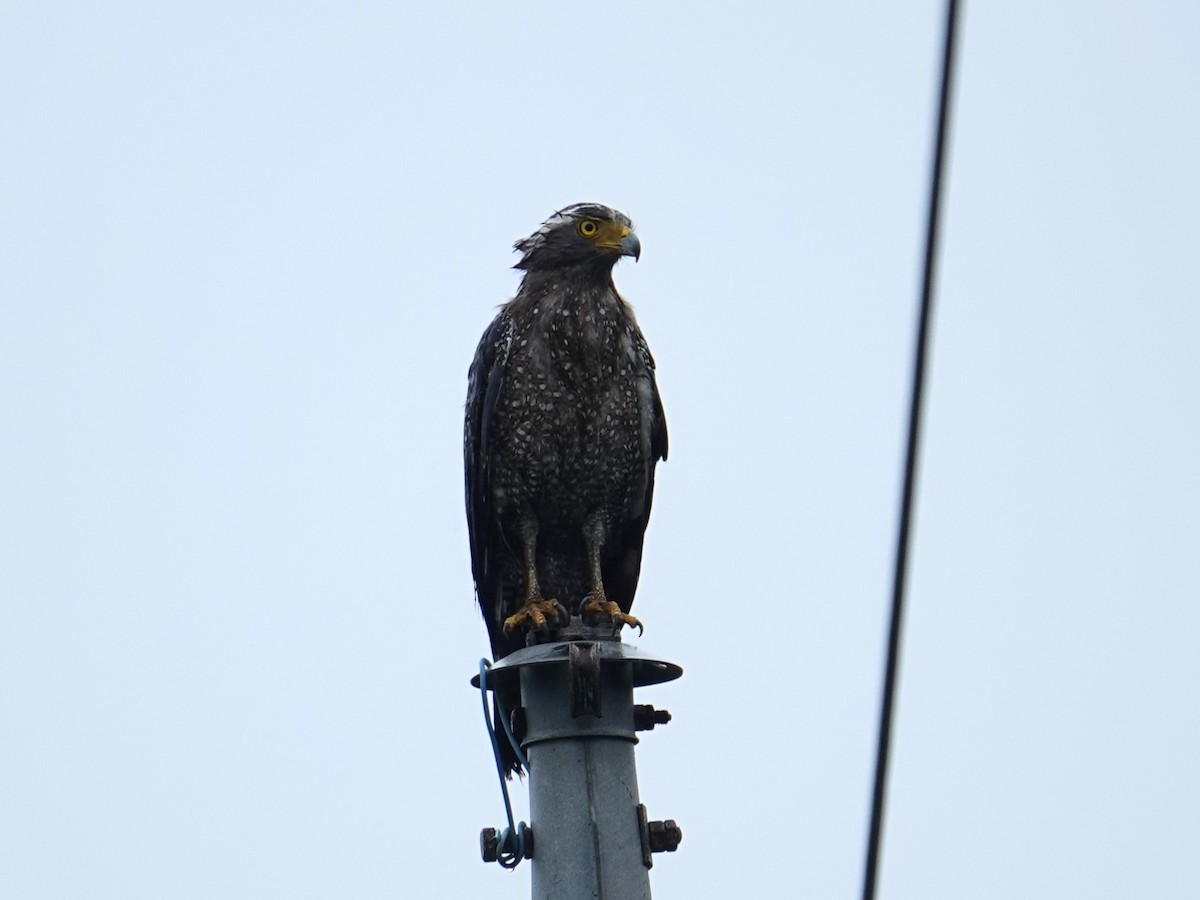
(613, 236)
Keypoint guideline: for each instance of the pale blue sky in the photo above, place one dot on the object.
(246, 252)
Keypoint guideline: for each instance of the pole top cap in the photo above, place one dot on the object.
(610, 649)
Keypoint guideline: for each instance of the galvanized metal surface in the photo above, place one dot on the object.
(583, 792)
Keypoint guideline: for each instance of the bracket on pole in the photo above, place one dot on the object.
(584, 663)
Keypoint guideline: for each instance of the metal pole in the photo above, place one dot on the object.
(578, 724)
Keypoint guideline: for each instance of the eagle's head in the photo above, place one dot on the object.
(584, 235)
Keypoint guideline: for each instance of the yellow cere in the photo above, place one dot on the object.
(605, 234)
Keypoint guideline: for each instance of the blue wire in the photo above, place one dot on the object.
(511, 849)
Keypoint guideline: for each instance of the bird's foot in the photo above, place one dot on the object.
(596, 611)
(539, 616)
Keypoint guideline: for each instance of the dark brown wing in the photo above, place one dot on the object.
(624, 563)
(483, 387)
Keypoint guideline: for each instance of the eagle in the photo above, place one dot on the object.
(564, 427)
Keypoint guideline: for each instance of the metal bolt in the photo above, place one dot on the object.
(665, 836)
(645, 717)
(489, 844)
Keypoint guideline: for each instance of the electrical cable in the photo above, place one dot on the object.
(911, 457)
(511, 847)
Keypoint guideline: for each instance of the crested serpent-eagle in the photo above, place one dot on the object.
(564, 427)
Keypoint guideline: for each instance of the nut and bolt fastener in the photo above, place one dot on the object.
(489, 844)
(645, 717)
(665, 836)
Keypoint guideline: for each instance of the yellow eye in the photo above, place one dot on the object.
(588, 228)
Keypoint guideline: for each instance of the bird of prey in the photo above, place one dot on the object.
(564, 426)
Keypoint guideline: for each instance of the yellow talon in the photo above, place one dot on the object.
(594, 610)
(536, 615)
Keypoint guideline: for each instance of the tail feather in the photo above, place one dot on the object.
(505, 704)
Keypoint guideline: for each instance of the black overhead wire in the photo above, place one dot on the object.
(910, 463)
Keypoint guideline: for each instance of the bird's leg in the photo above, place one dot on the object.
(596, 606)
(537, 613)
